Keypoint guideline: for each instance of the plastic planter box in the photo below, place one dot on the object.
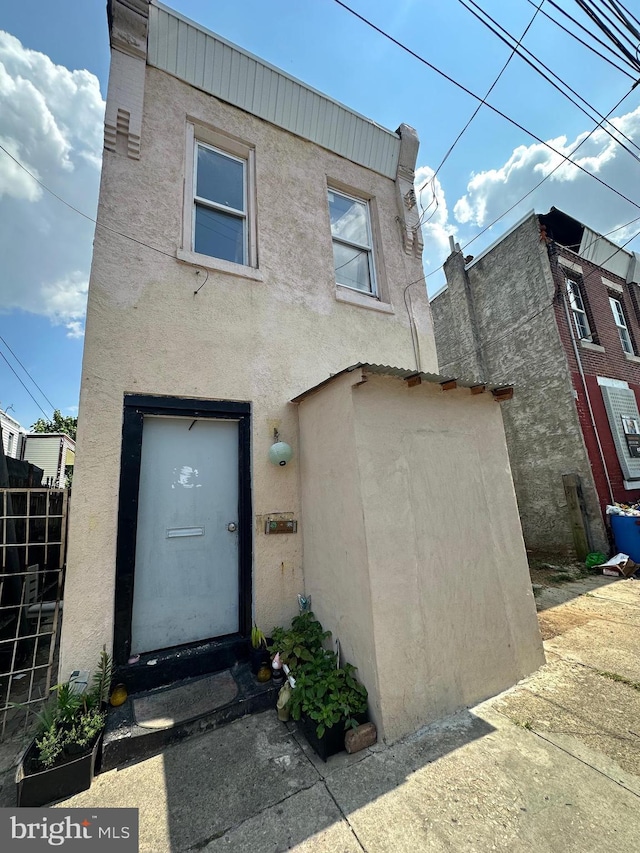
(54, 783)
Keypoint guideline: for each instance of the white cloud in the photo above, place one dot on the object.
(65, 302)
(491, 192)
(434, 215)
(51, 121)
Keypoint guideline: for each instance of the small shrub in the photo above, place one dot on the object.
(301, 642)
(74, 720)
(323, 692)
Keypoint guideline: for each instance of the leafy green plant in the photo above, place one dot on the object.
(258, 639)
(328, 695)
(300, 643)
(74, 720)
(324, 692)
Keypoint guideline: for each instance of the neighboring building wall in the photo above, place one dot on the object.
(12, 435)
(516, 340)
(49, 452)
(422, 557)
(259, 335)
(603, 358)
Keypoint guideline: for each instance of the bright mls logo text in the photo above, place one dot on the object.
(41, 829)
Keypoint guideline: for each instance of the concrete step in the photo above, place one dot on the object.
(176, 711)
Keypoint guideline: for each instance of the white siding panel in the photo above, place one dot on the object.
(45, 453)
(604, 253)
(193, 54)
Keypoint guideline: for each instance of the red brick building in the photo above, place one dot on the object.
(554, 308)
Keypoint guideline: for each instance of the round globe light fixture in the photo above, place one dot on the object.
(280, 453)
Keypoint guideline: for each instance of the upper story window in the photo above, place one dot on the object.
(219, 229)
(621, 323)
(220, 205)
(578, 310)
(352, 242)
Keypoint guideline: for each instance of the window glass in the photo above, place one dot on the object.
(220, 178)
(352, 267)
(218, 234)
(621, 323)
(578, 310)
(349, 219)
(352, 242)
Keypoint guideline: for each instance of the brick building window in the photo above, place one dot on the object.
(621, 324)
(578, 311)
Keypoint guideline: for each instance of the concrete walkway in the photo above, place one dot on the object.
(552, 765)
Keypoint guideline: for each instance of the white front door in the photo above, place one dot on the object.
(186, 581)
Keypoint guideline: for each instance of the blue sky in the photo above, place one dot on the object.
(54, 61)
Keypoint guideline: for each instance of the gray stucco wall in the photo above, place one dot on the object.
(495, 322)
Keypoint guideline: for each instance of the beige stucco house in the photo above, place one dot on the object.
(254, 239)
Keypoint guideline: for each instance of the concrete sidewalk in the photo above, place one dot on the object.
(552, 765)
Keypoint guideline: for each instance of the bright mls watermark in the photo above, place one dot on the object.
(82, 830)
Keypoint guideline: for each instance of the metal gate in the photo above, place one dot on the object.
(33, 535)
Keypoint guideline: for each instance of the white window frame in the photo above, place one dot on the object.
(576, 304)
(199, 134)
(369, 249)
(620, 320)
(200, 201)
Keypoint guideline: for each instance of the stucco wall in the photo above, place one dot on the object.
(517, 341)
(336, 567)
(238, 339)
(451, 606)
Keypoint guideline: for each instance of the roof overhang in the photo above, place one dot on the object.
(413, 378)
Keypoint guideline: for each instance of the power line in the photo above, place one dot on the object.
(584, 43)
(422, 278)
(24, 386)
(85, 215)
(592, 10)
(27, 372)
(630, 14)
(555, 169)
(471, 118)
(544, 308)
(90, 218)
(521, 50)
(487, 104)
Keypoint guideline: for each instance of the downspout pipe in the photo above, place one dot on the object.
(576, 352)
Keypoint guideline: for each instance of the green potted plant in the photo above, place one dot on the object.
(326, 698)
(61, 760)
(258, 653)
(299, 643)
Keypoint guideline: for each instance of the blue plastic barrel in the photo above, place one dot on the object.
(626, 533)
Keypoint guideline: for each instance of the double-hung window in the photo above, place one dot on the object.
(578, 311)
(621, 324)
(220, 226)
(352, 242)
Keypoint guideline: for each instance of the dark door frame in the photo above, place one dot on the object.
(135, 408)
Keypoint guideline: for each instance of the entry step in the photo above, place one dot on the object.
(152, 719)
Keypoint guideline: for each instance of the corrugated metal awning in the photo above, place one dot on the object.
(413, 377)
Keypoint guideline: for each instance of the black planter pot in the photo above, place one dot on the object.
(332, 741)
(54, 783)
(258, 658)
